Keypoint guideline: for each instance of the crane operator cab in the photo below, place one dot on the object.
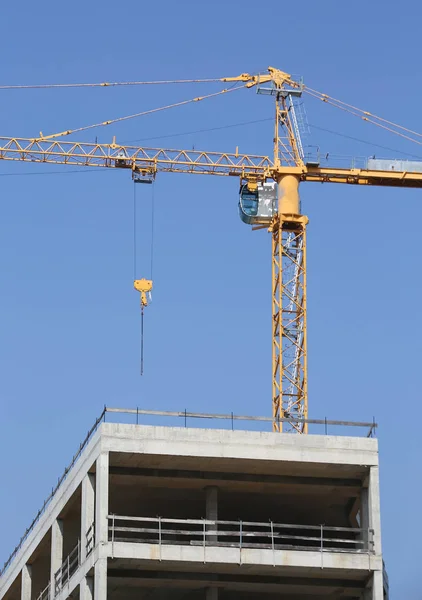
(258, 206)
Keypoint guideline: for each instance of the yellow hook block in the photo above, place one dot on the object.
(144, 286)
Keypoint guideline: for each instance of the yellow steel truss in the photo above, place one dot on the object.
(288, 227)
(289, 354)
(250, 167)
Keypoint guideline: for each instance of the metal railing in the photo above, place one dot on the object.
(238, 534)
(47, 501)
(229, 420)
(140, 416)
(69, 567)
(385, 582)
(90, 539)
(45, 594)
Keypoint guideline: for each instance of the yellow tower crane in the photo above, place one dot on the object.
(269, 198)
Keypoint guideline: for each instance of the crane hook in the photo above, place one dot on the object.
(144, 286)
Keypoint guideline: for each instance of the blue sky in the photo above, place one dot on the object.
(70, 319)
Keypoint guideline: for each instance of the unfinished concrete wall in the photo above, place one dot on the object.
(15, 590)
(40, 574)
(136, 496)
(130, 497)
(71, 522)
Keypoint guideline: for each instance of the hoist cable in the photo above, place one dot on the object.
(152, 229)
(140, 114)
(134, 231)
(142, 340)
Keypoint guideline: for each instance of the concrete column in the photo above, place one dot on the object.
(370, 508)
(378, 586)
(374, 507)
(56, 552)
(87, 510)
(26, 582)
(101, 500)
(211, 510)
(375, 590)
(211, 594)
(86, 589)
(364, 515)
(100, 579)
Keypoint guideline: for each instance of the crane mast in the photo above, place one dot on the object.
(281, 216)
(289, 351)
(288, 229)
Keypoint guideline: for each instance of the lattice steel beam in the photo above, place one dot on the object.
(289, 355)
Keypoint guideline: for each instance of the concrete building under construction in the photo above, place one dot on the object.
(155, 512)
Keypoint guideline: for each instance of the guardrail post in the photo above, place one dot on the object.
(240, 542)
(272, 542)
(204, 534)
(159, 535)
(112, 537)
(322, 546)
(58, 580)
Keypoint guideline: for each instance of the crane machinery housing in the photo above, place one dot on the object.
(268, 199)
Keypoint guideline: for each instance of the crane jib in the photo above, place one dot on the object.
(154, 160)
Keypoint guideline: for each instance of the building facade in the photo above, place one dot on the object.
(153, 513)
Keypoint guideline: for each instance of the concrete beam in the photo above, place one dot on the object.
(350, 486)
(101, 499)
(26, 582)
(270, 582)
(56, 560)
(256, 557)
(247, 445)
(87, 510)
